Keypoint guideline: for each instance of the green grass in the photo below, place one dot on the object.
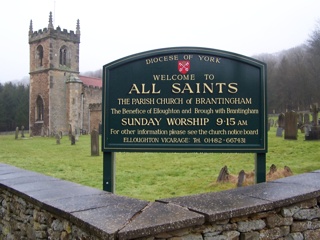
(151, 176)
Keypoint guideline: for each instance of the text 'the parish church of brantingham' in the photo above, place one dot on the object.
(61, 100)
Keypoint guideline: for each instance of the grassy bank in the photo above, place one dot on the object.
(152, 176)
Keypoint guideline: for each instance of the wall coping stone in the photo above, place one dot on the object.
(110, 216)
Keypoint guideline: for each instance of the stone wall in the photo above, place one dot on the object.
(34, 206)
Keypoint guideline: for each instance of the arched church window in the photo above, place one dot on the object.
(64, 56)
(39, 56)
(39, 109)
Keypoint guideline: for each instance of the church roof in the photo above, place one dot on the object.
(91, 81)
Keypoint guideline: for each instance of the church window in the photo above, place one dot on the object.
(39, 56)
(64, 56)
(39, 109)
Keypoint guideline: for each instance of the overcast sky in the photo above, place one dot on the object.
(112, 29)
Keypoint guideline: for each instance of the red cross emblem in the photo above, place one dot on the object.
(183, 66)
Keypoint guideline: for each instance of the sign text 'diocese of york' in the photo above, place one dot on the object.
(185, 99)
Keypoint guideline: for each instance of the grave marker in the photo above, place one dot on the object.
(95, 143)
(312, 132)
(22, 131)
(17, 133)
(291, 126)
(241, 178)
(57, 138)
(281, 125)
(73, 139)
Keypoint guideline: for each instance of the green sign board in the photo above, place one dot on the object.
(185, 99)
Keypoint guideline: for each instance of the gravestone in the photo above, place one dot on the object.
(291, 126)
(279, 132)
(223, 175)
(241, 178)
(306, 124)
(287, 171)
(307, 130)
(58, 138)
(271, 121)
(273, 169)
(300, 122)
(94, 143)
(22, 131)
(73, 140)
(313, 130)
(17, 133)
(280, 125)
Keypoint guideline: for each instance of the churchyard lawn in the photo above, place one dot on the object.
(151, 176)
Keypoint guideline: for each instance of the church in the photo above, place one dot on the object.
(61, 100)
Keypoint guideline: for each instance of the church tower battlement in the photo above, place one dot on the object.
(50, 32)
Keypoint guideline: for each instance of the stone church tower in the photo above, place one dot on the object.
(56, 95)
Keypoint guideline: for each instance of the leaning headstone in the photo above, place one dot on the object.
(60, 133)
(273, 169)
(22, 131)
(241, 178)
(287, 171)
(17, 133)
(291, 127)
(58, 138)
(223, 175)
(94, 143)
